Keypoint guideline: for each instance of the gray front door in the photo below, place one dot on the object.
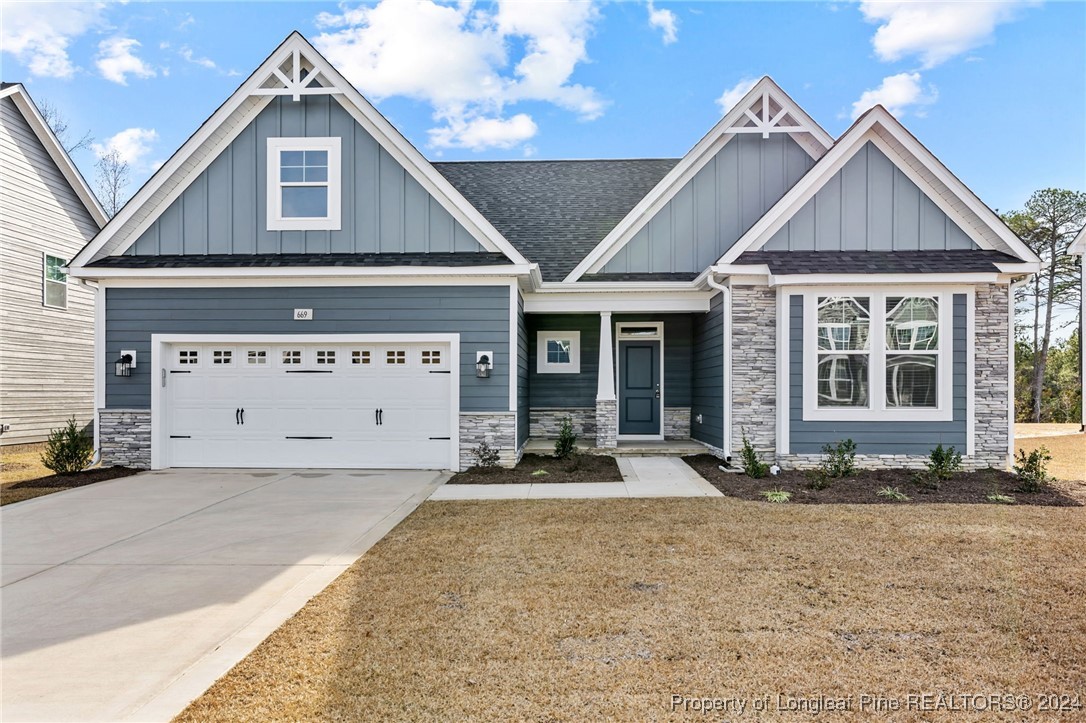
(639, 393)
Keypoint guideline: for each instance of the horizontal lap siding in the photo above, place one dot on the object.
(876, 437)
(708, 375)
(480, 315)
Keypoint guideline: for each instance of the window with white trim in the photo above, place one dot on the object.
(877, 355)
(292, 357)
(188, 357)
(54, 283)
(558, 352)
(222, 356)
(360, 356)
(326, 356)
(395, 357)
(304, 184)
(258, 356)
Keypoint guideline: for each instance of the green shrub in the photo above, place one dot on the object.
(752, 465)
(893, 493)
(485, 455)
(777, 496)
(943, 463)
(840, 459)
(567, 440)
(68, 449)
(1032, 469)
(817, 479)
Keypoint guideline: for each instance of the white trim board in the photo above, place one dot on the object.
(240, 109)
(696, 159)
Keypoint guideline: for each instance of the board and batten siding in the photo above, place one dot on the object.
(523, 403)
(869, 205)
(46, 354)
(714, 208)
(479, 314)
(875, 437)
(707, 375)
(384, 209)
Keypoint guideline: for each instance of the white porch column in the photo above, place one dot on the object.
(606, 403)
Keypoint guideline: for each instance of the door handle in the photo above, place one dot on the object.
(237, 415)
(657, 391)
(381, 417)
(376, 416)
(243, 416)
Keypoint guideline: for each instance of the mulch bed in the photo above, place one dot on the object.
(28, 489)
(578, 468)
(862, 488)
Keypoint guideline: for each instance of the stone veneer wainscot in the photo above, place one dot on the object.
(125, 437)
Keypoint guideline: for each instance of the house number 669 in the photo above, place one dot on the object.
(303, 314)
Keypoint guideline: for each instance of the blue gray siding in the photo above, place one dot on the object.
(875, 437)
(579, 390)
(224, 210)
(724, 199)
(523, 405)
(708, 375)
(869, 205)
(480, 314)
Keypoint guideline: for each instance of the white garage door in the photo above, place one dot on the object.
(309, 405)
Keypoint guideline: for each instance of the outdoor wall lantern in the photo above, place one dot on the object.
(125, 364)
(483, 364)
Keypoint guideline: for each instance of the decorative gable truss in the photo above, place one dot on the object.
(765, 112)
(295, 69)
(878, 143)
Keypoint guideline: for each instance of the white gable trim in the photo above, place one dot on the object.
(1078, 246)
(810, 136)
(197, 153)
(978, 221)
(51, 143)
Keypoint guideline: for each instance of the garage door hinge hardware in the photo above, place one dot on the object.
(308, 437)
(180, 371)
(436, 371)
(440, 437)
(180, 436)
(309, 371)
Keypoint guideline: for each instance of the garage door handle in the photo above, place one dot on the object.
(237, 415)
(381, 416)
(243, 416)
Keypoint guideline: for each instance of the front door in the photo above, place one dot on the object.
(639, 391)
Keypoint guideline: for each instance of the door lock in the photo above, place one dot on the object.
(657, 391)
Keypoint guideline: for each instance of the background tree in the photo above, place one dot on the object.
(56, 121)
(1048, 224)
(111, 181)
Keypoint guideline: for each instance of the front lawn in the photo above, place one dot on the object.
(538, 468)
(603, 609)
(863, 487)
(24, 477)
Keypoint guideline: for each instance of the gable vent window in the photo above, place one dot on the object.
(222, 357)
(303, 184)
(360, 357)
(326, 357)
(55, 289)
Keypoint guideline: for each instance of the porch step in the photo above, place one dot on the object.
(668, 448)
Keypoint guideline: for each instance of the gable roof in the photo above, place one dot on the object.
(295, 68)
(1078, 246)
(882, 129)
(555, 212)
(764, 110)
(29, 110)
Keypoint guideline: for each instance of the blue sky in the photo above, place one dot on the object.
(995, 90)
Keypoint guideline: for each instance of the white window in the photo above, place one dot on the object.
(558, 352)
(304, 184)
(431, 357)
(54, 283)
(222, 356)
(326, 357)
(874, 354)
(396, 357)
(292, 356)
(258, 356)
(188, 357)
(360, 356)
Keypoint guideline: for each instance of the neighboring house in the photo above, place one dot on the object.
(47, 213)
(1078, 248)
(299, 287)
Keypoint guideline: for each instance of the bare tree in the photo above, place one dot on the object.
(56, 120)
(111, 180)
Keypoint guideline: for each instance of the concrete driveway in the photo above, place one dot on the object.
(126, 599)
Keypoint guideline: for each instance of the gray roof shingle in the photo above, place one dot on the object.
(555, 212)
(877, 262)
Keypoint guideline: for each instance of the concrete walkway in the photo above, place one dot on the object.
(126, 599)
(641, 477)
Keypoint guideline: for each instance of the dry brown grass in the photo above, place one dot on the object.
(20, 462)
(601, 609)
(1068, 459)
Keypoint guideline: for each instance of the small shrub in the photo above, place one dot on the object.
(567, 440)
(777, 496)
(752, 465)
(840, 459)
(817, 479)
(944, 462)
(1032, 469)
(893, 493)
(68, 449)
(485, 455)
(926, 479)
(1000, 499)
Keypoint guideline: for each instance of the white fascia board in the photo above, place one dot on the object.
(286, 272)
(741, 269)
(884, 279)
(1078, 246)
(661, 302)
(1023, 268)
(51, 143)
(696, 159)
(628, 287)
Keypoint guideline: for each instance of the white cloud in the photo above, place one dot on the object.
(132, 145)
(666, 21)
(934, 31)
(186, 53)
(39, 34)
(897, 93)
(478, 134)
(116, 60)
(467, 63)
(735, 94)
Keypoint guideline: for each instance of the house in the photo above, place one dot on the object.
(1078, 248)
(299, 286)
(47, 213)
